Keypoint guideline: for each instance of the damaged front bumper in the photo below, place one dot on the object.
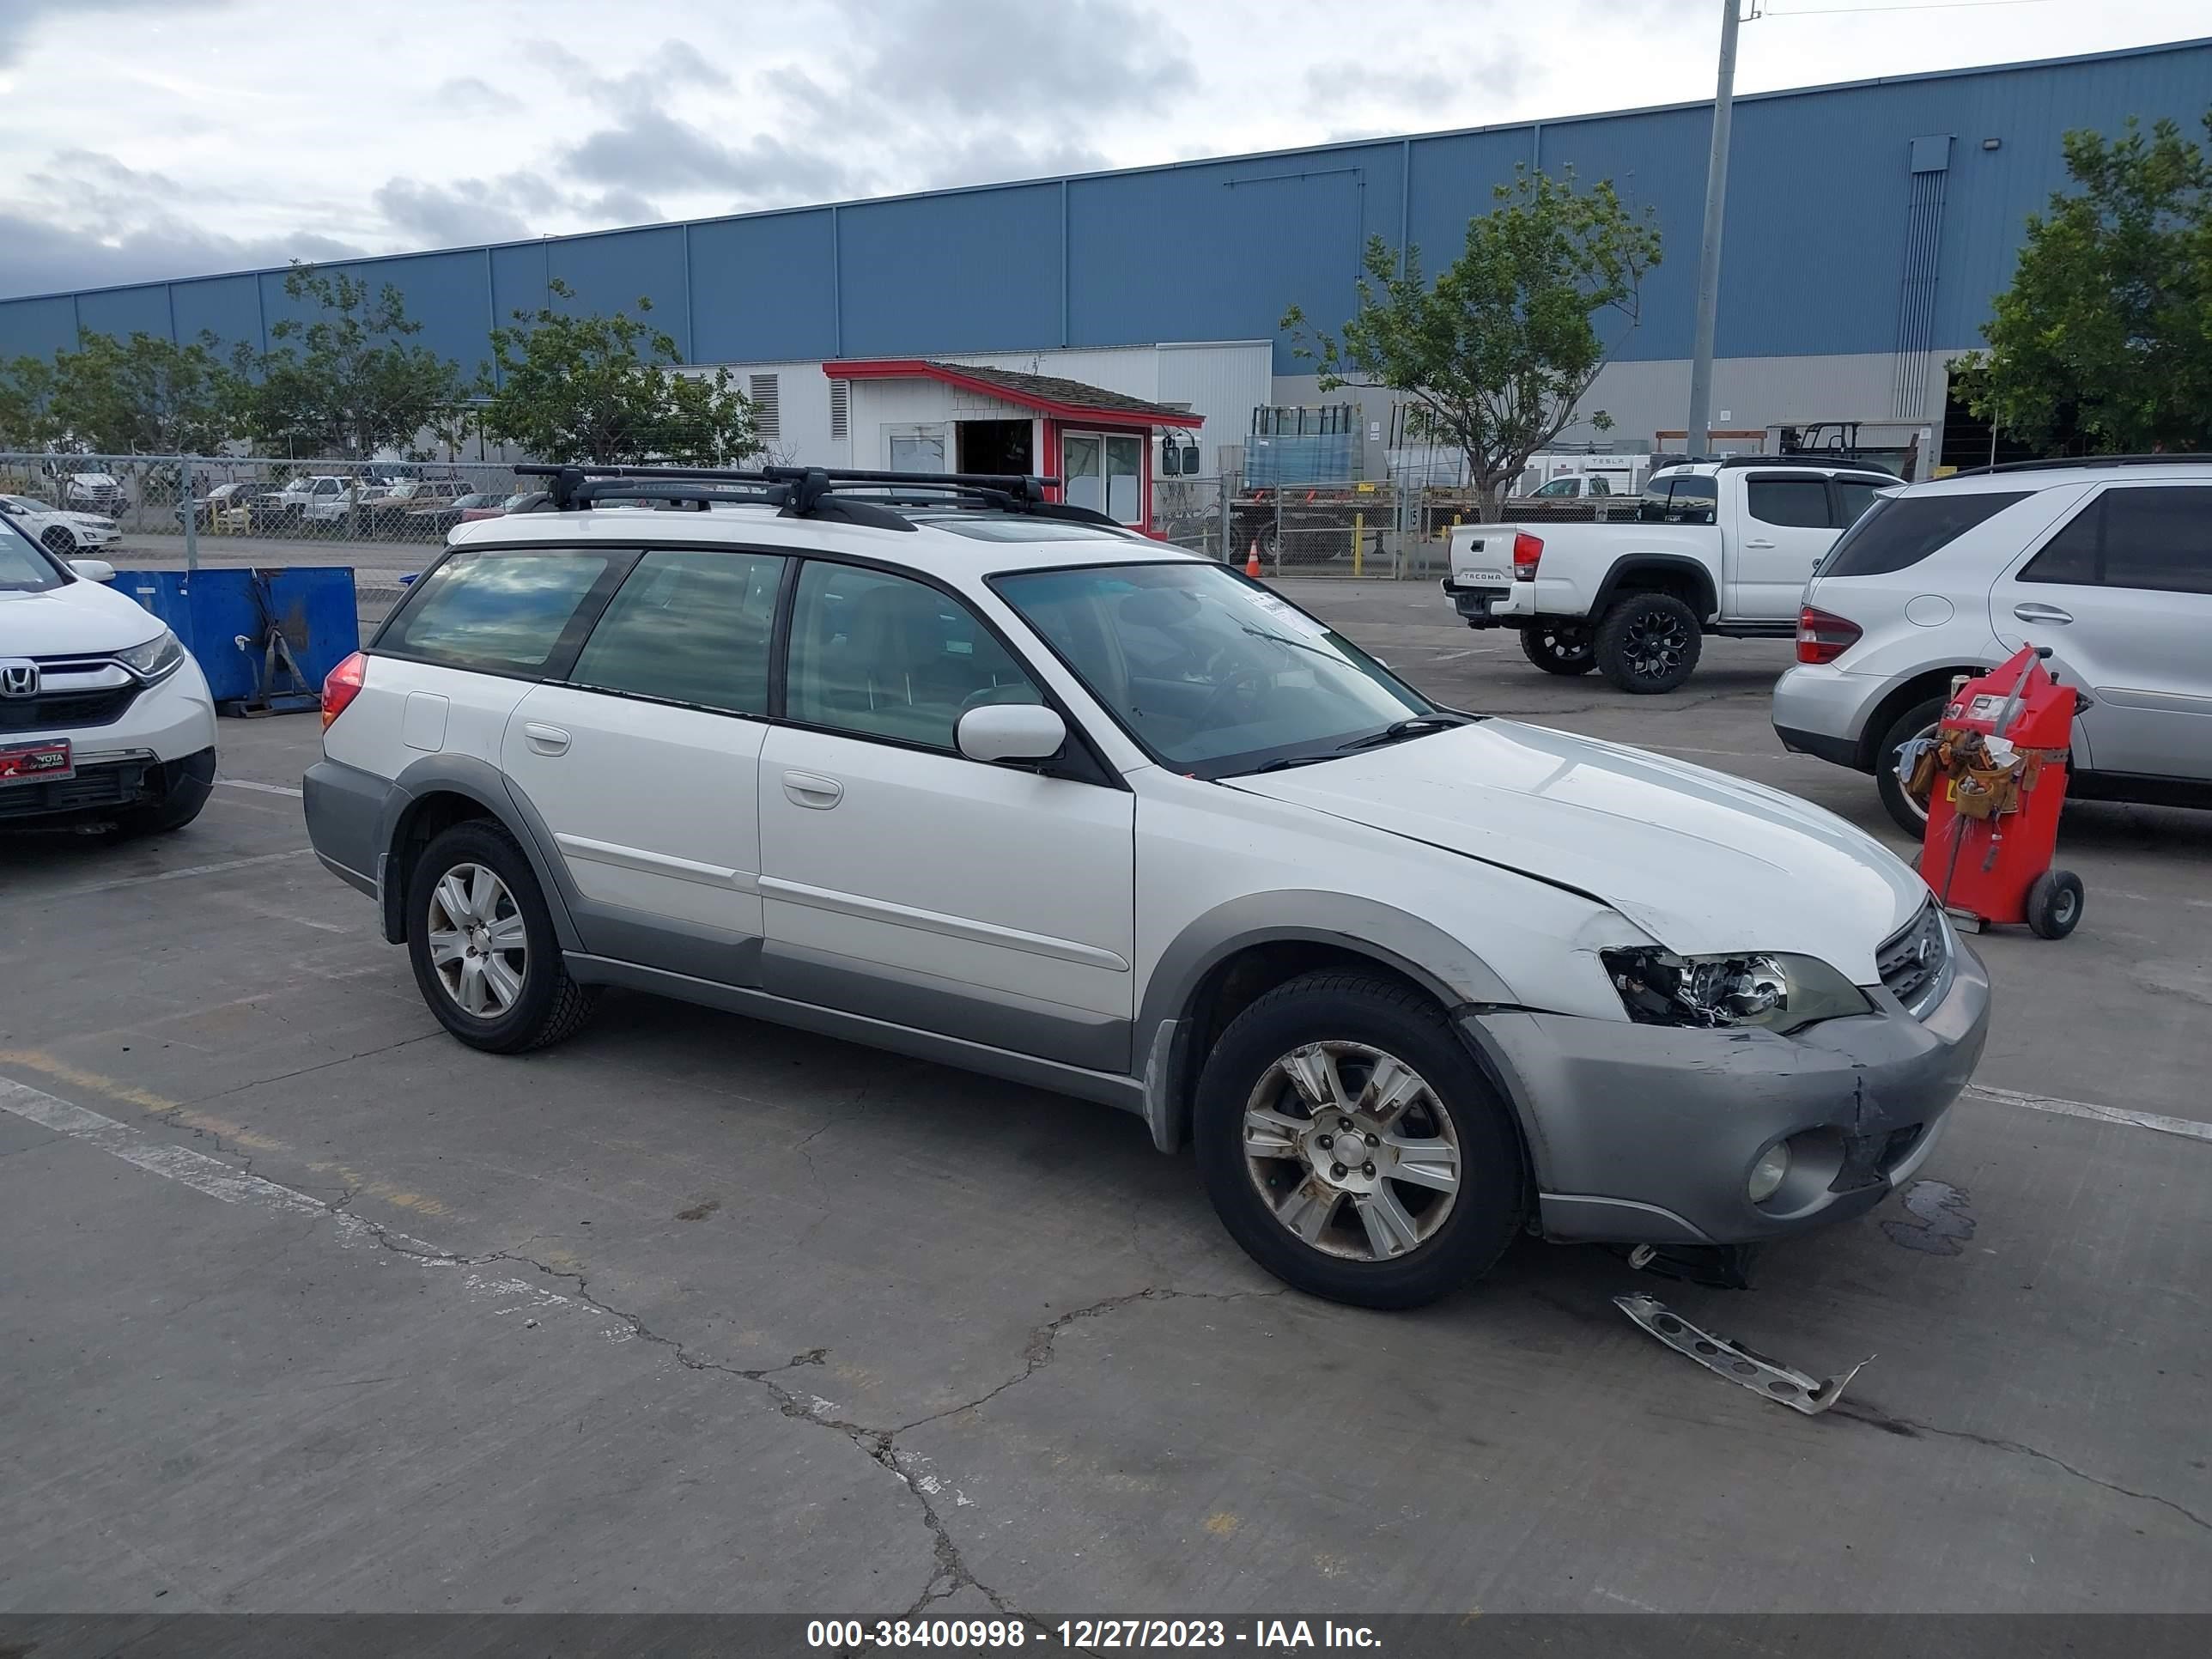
(1648, 1134)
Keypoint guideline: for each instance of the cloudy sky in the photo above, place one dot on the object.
(143, 138)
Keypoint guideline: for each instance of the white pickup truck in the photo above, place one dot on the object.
(1717, 547)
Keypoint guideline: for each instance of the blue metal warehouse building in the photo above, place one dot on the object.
(1869, 224)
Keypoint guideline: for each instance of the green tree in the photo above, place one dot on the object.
(28, 417)
(145, 395)
(2105, 334)
(592, 388)
(348, 379)
(1500, 350)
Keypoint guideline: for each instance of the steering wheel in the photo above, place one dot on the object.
(1234, 700)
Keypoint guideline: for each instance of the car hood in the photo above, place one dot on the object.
(1701, 862)
(77, 616)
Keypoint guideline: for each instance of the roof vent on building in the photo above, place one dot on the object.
(767, 422)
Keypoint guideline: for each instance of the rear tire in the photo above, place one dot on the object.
(1648, 643)
(1906, 810)
(59, 542)
(1560, 647)
(1438, 1194)
(474, 888)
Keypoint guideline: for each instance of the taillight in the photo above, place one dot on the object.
(342, 686)
(1822, 637)
(1526, 550)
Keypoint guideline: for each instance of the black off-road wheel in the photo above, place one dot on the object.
(1648, 643)
(1560, 647)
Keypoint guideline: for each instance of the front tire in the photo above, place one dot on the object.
(1648, 643)
(481, 941)
(1560, 647)
(1906, 810)
(59, 542)
(1337, 1059)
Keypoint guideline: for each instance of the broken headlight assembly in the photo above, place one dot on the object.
(1775, 992)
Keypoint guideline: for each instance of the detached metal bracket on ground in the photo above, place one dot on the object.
(1733, 1361)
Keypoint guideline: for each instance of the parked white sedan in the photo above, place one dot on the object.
(61, 533)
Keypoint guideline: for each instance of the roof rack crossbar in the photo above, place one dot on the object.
(798, 491)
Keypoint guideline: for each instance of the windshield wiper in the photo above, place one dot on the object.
(1414, 726)
(1284, 763)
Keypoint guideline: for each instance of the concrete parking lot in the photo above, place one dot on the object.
(306, 1307)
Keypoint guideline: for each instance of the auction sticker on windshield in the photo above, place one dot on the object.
(36, 762)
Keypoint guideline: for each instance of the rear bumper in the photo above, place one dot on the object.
(1487, 605)
(1644, 1134)
(1823, 711)
(346, 810)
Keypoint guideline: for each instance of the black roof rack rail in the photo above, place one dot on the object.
(2077, 460)
(841, 493)
(1805, 458)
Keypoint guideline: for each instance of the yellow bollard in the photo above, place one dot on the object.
(1358, 519)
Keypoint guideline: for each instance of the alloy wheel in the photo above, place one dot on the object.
(1656, 645)
(1351, 1151)
(479, 946)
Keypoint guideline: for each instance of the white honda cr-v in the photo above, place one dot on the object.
(980, 777)
(105, 718)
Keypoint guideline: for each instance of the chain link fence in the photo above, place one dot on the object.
(84, 503)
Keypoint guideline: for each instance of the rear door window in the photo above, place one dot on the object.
(503, 610)
(2154, 537)
(1898, 531)
(1798, 503)
(691, 628)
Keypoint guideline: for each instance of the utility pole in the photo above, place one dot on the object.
(1700, 436)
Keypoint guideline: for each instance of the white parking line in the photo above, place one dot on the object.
(2166, 1125)
(266, 789)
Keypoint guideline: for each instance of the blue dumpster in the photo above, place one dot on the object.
(263, 638)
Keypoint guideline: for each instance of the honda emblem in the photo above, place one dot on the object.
(18, 678)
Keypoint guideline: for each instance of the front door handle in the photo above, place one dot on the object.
(1759, 544)
(545, 739)
(812, 789)
(2033, 612)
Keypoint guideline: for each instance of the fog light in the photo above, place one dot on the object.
(1769, 1172)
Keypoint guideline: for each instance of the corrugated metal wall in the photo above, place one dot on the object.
(1818, 228)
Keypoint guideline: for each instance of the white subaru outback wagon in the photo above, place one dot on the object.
(938, 765)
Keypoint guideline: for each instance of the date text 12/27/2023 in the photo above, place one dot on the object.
(1279, 1635)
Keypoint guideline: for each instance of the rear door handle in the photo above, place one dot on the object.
(811, 789)
(545, 739)
(2043, 613)
(1759, 544)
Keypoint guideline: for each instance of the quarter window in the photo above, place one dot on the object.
(2153, 537)
(504, 612)
(884, 656)
(1899, 531)
(691, 628)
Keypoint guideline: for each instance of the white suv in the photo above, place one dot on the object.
(985, 779)
(2108, 562)
(104, 717)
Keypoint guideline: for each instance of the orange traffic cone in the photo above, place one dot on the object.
(1252, 559)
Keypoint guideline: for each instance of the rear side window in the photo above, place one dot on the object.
(1800, 503)
(689, 626)
(2152, 536)
(1900, 531)
(504, 612)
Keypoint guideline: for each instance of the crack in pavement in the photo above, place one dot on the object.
(1858, 1411)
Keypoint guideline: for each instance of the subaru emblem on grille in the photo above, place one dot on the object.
(18, 678)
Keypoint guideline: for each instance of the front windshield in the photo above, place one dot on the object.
(23, 567)
(1210, 673)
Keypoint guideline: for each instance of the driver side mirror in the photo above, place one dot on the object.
(1011, 732)
(93, 570)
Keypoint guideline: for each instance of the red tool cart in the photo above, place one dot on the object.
(1996, 776)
